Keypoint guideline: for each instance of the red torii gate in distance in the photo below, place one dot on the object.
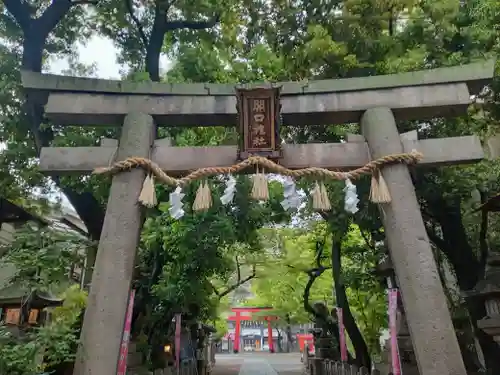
(246, 313)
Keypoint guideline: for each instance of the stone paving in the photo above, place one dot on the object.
(258, 364)
(254, 366)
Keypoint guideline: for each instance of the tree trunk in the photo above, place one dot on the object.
(360, 347)
(33, 46)
(280, 341)
(289, 336)
(155, 44)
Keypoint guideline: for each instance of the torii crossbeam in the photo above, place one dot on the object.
(177, 161)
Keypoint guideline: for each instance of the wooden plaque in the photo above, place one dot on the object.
(259, 121)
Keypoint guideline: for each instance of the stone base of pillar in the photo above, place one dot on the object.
(406, 354)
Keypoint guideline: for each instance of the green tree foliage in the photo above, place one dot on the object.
(219, 322)
(44, 258)
(284, 277)
(186, 265)
(290, 253)
(58, 340)
(55, 342)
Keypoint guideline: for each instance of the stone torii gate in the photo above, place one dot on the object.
(377, 102)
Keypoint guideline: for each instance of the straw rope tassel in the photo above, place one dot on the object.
(208, 196)
(317, 198)
(379, 191)
(203, 200)
(260, 190)
(324, 197)
(148, 194)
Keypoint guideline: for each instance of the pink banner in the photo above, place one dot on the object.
(343, 344)
(393, 306)
(122, 361)
(177, 340)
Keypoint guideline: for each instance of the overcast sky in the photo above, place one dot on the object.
(101, 52)
(98, 50)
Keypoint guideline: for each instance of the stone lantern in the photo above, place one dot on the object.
(487, 291)
(325, 345)
(385, 272)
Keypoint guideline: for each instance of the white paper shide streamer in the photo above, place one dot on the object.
(351, 197)
(292, 198)
(175, 198)
(229, 191)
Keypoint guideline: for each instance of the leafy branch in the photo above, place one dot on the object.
(153, 43)
(239, 281)
(45, 257)
(313, 274)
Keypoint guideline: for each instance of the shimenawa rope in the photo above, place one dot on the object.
(257, 161)
(379, 191)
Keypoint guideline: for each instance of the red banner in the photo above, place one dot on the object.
(177, 340)
(122, 361)
(393, 306)
(343, 344)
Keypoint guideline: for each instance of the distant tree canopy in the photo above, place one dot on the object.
(284, 275)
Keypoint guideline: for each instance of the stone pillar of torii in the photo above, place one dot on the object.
(377, 102)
